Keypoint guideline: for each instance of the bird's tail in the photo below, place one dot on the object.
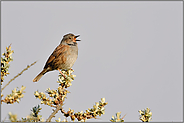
(39, 76)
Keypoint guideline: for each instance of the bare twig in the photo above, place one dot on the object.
(18, 75)
(4, 119)
(123, 116)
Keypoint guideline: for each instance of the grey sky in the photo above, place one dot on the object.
(130, 53)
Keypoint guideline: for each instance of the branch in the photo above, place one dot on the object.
(55, 111)
(18, 75)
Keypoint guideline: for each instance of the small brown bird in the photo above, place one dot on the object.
(63, 57)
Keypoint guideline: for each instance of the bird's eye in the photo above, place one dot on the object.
(69, 38)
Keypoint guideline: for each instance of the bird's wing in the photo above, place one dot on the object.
(59, 51)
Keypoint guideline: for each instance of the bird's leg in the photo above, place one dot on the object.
(62, 73)
(71, 69)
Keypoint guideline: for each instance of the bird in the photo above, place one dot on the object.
(63, 57)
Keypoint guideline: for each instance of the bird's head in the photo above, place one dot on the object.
(70, 39)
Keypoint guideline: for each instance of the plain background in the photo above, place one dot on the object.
(131, 54)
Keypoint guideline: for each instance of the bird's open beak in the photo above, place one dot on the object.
(76, 37)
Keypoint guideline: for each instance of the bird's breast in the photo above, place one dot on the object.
(71, 57)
